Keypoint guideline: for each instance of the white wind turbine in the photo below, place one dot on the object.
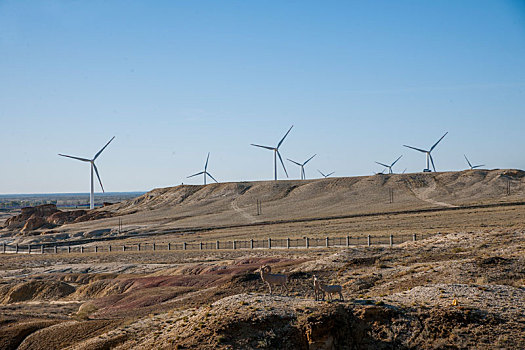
(205, 172)
(325, 176)
(93, 166)
(276, 153)
(429, 156)
(390, 166)
(303, 175)
(473, 166)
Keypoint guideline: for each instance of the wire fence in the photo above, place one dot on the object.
(269, 243)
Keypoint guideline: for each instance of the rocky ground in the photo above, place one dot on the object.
(455, 290)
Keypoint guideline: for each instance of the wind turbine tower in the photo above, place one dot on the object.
(428, 154)
(205, 172)
(325, 176)
(303, 175)
(93, 166)
(390, 166)
(276, 154)
(472, 166)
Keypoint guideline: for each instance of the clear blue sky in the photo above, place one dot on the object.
(173, 80)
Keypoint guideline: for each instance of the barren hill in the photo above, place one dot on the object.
(303, 198)
(235, 203)
(227, 205)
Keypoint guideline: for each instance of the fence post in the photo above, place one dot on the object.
(234, 243)
(200, 246)
(29, 249)
(169, 245)
(124, 248)
(110, 248)
(326, 242)
(217, 245)
(269, 243)
(69, 249)
(154, 246)
(184, 246)
(287, 243)
(251, 243)
(16, 248)
(138, 247)
(96, 249)
(391, 240)
(81, 249)
(56, 249)
(348, 241)
(307, 242)
(414, 237)
(41, 249)
(369, 242)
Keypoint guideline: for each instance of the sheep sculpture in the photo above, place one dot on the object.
(320, 288)
(275, 279)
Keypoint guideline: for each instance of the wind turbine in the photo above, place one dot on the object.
(303, 175)
(93, 166)
(325, 176)
(473, 166)
(205, 172)
(276, 153)
(390, 166)
(429, 156)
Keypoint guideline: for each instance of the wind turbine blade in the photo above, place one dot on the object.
(320, 172)
(281, 159)
(293, 161)
(431, 148)
(280, 142)
(470, 165)
(309, 159)
(478, 166)
(417, 149)
(270, 148)
(333, 172)
(96, 155)
(202, 172)
(206, 165)
(98, 176)
(404, 171)
(382, 164)
(77, 158)
(396, 161)
(212, 177)
(432, 160)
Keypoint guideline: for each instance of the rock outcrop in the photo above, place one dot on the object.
(35, 290)
(48, 216)
(30, 215)
(64, 217)
(35, 222)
